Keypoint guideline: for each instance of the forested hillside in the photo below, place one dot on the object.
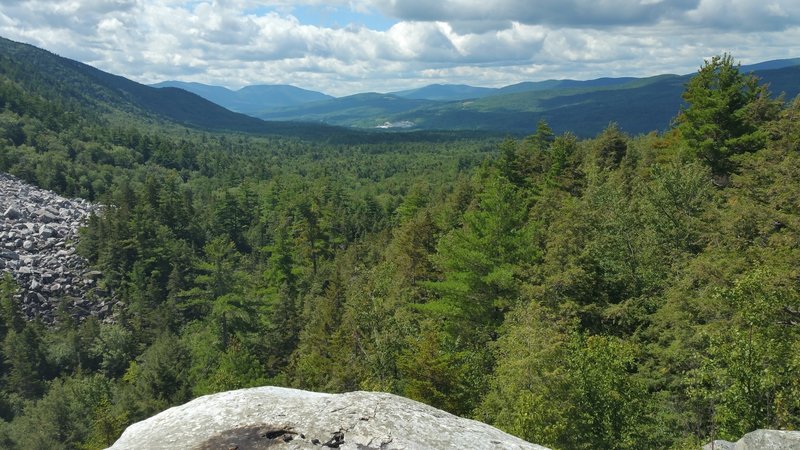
(619, 292)
(76, 86)
(637, 105)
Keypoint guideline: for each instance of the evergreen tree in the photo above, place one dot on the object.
(724, 112)
(482, 261)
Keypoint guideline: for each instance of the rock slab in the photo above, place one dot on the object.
(282, 418)
(760, 440)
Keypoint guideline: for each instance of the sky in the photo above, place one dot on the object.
(343, 47)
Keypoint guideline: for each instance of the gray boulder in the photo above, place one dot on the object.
(760, 440)
(719, 444)
(12, 213)
(281, 418)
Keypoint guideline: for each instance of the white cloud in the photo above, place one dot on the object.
(593, 13)
(479, 42)
(748, 14)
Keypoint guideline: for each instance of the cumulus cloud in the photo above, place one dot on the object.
(746, 15)
(750, 14)
(479, 42)
(577, 13)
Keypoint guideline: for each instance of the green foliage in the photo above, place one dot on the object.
(726, 109)
(9, 308)
(114, 347)
(24, 352)
(563, 389)
(236, 368)
(678, 195)
(65, 417)
(482, 262)
(439, 370)
(157, 379)
(611, 146)
(749, 373)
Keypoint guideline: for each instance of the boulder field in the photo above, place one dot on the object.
(38, 234)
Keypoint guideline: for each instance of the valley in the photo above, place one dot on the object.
(638, 105)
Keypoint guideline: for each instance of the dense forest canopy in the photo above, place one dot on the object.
(619, 292)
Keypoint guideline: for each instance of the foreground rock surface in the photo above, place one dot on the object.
(38, 233)
(281, 418)
(760, 440)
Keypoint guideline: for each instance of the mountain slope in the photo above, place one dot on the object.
(636, 108)
(582, 107)
(445, 92)
(250, 99)
(274, 96)
(361, 110)
(216, 94)
(96, 92)
(529, 86)
(638, 105)
(772, 65)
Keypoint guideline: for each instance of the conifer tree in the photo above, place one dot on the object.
(725, 109)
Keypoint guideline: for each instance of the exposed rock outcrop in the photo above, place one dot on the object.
(38, 233)
(281, 418)
(760, 440)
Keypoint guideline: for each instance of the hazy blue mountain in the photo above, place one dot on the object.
(368, 110)
(454, 92)
(216, 94)
(250, 99)
(638, 105)
(583, 107)
(772, 65)
(528, 86)
(278, 96)
(516, 108)
(445, 92)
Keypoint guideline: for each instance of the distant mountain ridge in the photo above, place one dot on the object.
(772, 65)
(250, 99)
(368, 110)
(445, 92)
(638, 105)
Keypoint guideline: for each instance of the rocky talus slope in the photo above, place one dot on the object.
(38, 233)
(280, 418)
